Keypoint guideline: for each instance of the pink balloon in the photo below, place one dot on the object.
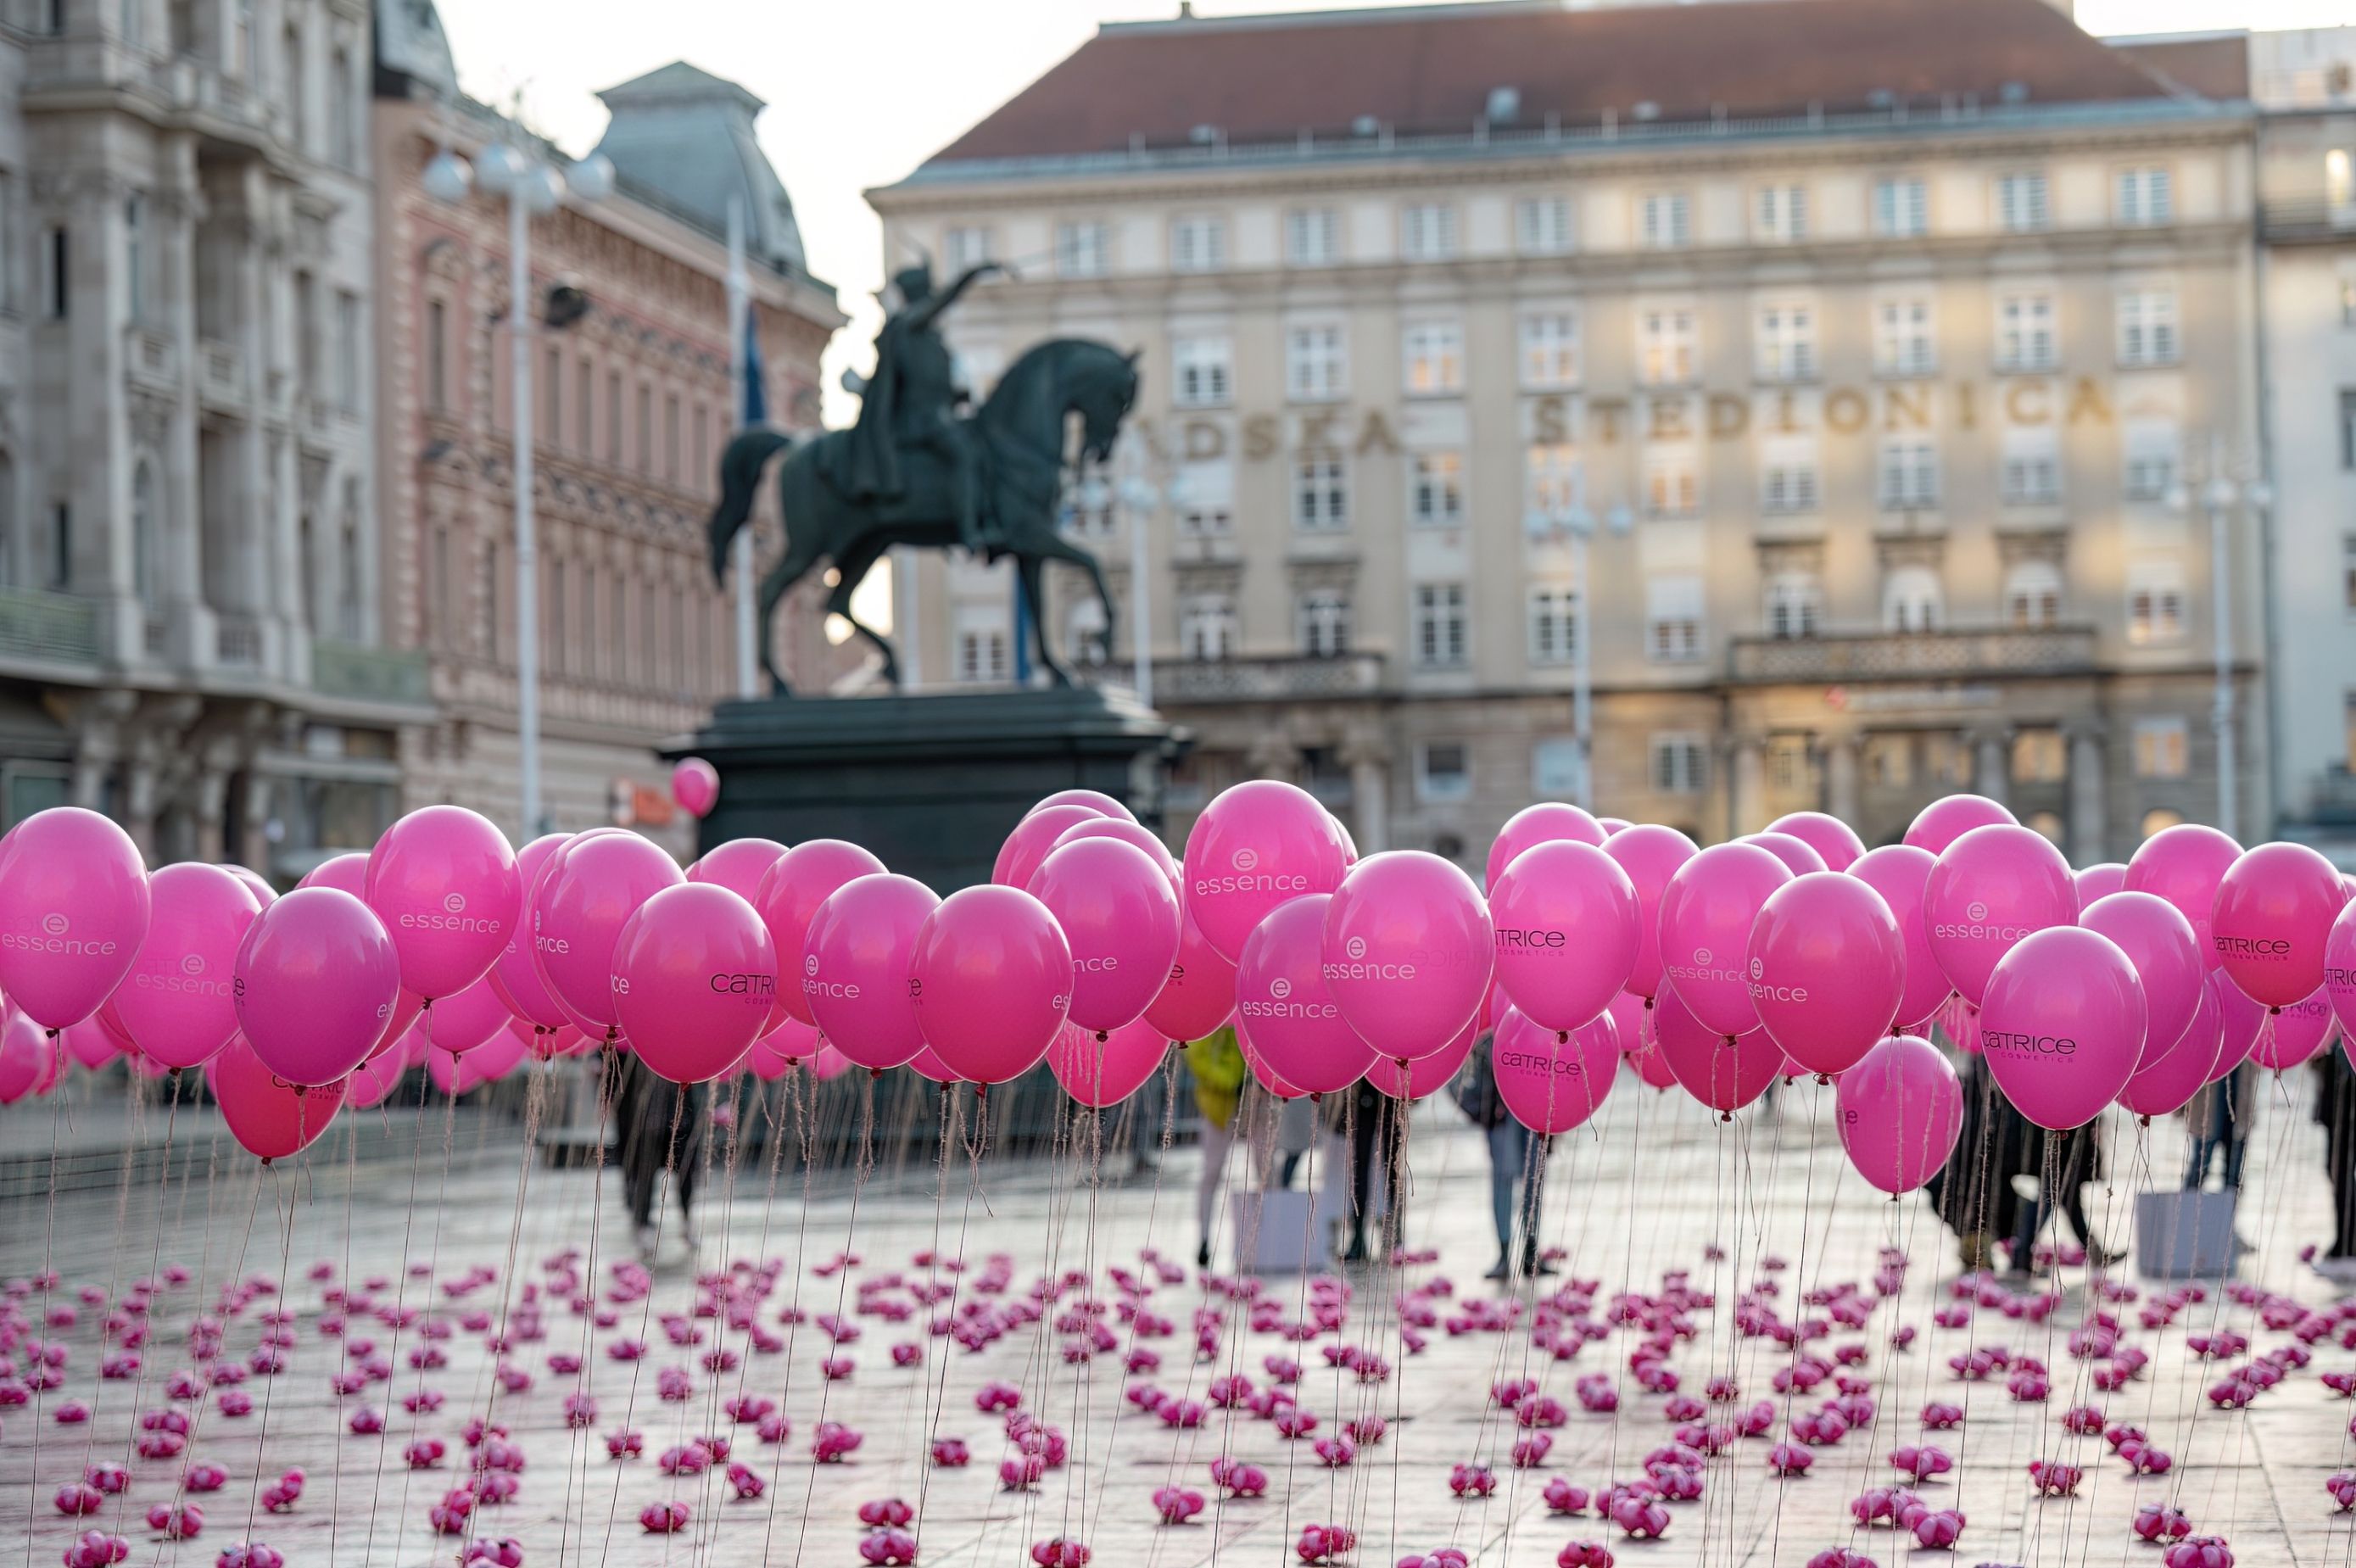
(1257, 845)
(695, 977)
(1199, 993)
(515, 976)
(30, 1057)
(2098, 883)
(1128, 832)
(2183, 864)
(927, 1063)
(1554, 1083)
(2241, 1021)
(1706, 913)
(316, 982)
(271, 1115)
(1283, 995)
(256, 882)
(2275, 907)
(785, 1046)
(90, 1042)
(73, 911)
(1723, 1074)
(695, 785)
(1797, 853)
(1988, 890)
(2162, 1085)
(175, 1004)
(1651, 855)
(1827, 969)
(1902, 1109)
(1425, 1074)
(1948, 818)
(992, 976)
(373, 1081)
(406, 1007)
(1266, 1076)
(2340, 969)
(853, 974)
(1546, 822)
(1095, 800)
(496, 1057)
(1406, 950)
(789, 898)
(346, 873)
(829, 1064)
(1567, 938)
(1612, 825)
(1899, 872)
(470, 1019)
(443, 880)
(738, 865)
(1632, 1015)
(1100, 1069)
(2159, 941)
(2294, 1033)
(586, 896)
(1834, 840)
(1027, 846)
(1119, 915)
(2063, 1024)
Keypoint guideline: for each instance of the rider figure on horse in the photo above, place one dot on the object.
(908, 404)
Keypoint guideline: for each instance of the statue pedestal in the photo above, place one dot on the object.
(932, 783)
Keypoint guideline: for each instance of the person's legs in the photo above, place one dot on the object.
(1505, 1152)
(2339, 1153)
(1217, 1141)
(1364, 1130)
(693, 1114)
(1536, 1151)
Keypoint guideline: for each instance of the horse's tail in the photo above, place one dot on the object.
(740, 464)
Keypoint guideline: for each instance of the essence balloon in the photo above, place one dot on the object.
(1706, 913)
(514, 974)
(584, 899)
(1199, 993)
(1565, 918)
(73, 909)
(1901, 1110)
(2063, 1025)
(992, 978)
(1827, 969)
(1723, 1074)
(1256, 846)
(175, 1003)
(1407, 952)
(1283, 999)
(444, 883)
(789, 898)
(1899, 872)
(1120, 914)
(1101, 1069)
(853, 972)
(1988, 890)
(316, 982)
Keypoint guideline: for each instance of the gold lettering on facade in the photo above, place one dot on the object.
(1730, 416)
(1551, 421)
(1606, 417)
(1375, 432)
(1787, 414)
(2086, 401)
(2025, 402)
(1906, 408)
(1845, 411)
(1260, 437)
(1203, 441)
(1669, 420)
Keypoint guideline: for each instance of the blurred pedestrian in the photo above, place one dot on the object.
(2335, 1108)
(1517, 1159)
(2219, 1120)
(661, 1127)
(1215, 1063)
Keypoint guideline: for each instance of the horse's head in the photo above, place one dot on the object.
(1102, 395)
(1053, 380)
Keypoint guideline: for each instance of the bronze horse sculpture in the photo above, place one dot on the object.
(1019, 443)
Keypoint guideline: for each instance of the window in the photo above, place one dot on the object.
(2032, 595)
(1913, 600)
(1907, 475)
(2347, 274)
(1551, 481)
(553, 629)
(1673, 604)
(2162, 748)
(1680, 764)
(2146, 327)
(1198, 243)
(1557, 770)
(1901, 208)
(2347, 567)
(350, 98)
(298, 108)
(2142, 197)
(2151, 457)
(2024, 332)
(1549, 346)
(306, 335)
(2348, 428)
(2039, 756)
(147, 568)
(1436, 489)
(671, 436)
(584, 421)
(1664, 221)
(1781, 214)
(1554, 624)
(1321, 492)
(982, 654)
(2031, 473)
(1443, 771)
(614, 416)
(1206, 494)
(700, 448)
(1671, 482)
(12, 263)
(61, 542)
(10, 566)
(1794, 601)
(1785, 348)
(58, 252)
(2339, 180)
(2155, 603)
(1080, 250)
(1428, 231)
(1206, 626)
(135, 255)
(1434, 351)
(1199, 367)
(2020, 203)
(1313, 237)
(1542, 225)
(965, 245)
(1788, 480)
(1905, 342)
(1316, 362)
(646, 432)
(1439, 626)
(437, 356)
(1668, 345)
(1321, 623)
(348, 351)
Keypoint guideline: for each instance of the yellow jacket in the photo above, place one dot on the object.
(1216, 1064)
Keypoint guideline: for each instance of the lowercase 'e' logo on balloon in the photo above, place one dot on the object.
(1975, 910)
(1246, 857)
(56, 924)
(1702, 957)
(1279, 987)
(192, 964)
(454, 903)
(1758, 969)
(1356, 946)
(810, 963)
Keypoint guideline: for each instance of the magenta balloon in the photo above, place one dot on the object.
(785, 1046)
(789, 895)
(1612, 825)
(738, 865)
(2183, 864)
(1100, 1068)
(1425, 1074)
(2294, 1033)
(30, 1057)
(1027, 846)
(1632, 1015)
(316, 985)
(853, 974)
(1899, 872)
(256, 882)
(2273, 911)
(2159, 941)
(1797, 854)
(1127, 832)
(470, 1019)
(2240, 1020)
(1256, 846)
(1282, 994)
(271, 1115)
(443, 880)
(1548, 822)
(584, 899)
(90, 1042)
(1407, 950)
(498, 1056)
(829, 1064)
(1266, 1076)
(1827, 969)
(1553, 1083)
(175, 1004)
(1988, 890)
(1723, 1074)
(993, 980)
(695, 977)
(1566, 937)
(695, 785)
(2340, 969)
(1119, 915)
(1706, 913)
(372, 1082)
(1834, 840)
(73, 911)
(927, 1063)
(1095, 800)
(2063, 1025)
(2098, 883)
(2162, 1086)
(514, 974)
(1199, 993)
(346, 873)
(1651, 855)
(1948, 818)
(1901, 1110)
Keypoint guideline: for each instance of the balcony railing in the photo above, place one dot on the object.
(1913, 655)
(46, 629)
(2314, 218)
(1276, 679)
(370, 675)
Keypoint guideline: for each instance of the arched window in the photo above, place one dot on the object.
(147, 543)
(2032, 594)
(1913, 600)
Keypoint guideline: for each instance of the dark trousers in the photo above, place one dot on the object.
(1374, 1136)
(662, 1128)
(2339, 1153)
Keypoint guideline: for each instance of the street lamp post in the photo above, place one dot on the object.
(2220, 495)
(1576, 520)
(1140, 498)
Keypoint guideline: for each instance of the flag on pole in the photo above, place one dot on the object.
(756, 399)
